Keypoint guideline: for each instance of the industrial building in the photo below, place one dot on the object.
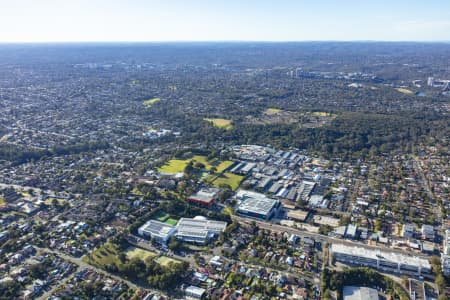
(384, 261)
(408, 231)
(194, 292)
(446, 254)
(359, 293)
(428, 232)
(160, 232)
(297, 215)
(205, 197)
(198, 229)
(256, 205)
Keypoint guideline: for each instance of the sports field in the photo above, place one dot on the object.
(220, 123)
(272, 111)
(230, 179)
(174, 166)
(150, 102)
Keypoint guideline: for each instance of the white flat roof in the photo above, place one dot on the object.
(255, 202)
(156, 228)
(195, 290)
(199, 227)
(359, 293)
(381, 255)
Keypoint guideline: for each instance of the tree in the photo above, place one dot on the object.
(174, 244)
(122, 257)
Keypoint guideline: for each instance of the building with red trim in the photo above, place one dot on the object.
(204, 197)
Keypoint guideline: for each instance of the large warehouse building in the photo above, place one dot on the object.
(381, 260)
(198, 229)
(160, 232)
(256, 205)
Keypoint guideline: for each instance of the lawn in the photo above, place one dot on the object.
(164, 260)
(224, 165)
(177, 166)
(202, 159)
(272, 111)
(2, 200)
(165, 218)
(405, 91)
(150, 102)
(103, 256)
(108, 254)
(220, 123)
(161, 216)
(322, 114)
(220, 166)
(171, 221)
(228, 178)
(141, 253)
(174, 166)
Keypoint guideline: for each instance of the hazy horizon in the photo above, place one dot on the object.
(82, 21)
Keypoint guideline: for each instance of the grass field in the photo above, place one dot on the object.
(2, 200)
(150, 102)
(108, 254)
(405, 91)
(105, 255)
(272, 111)
(141, 253)
(322, 114)
(174, 166)
(171, 221)
(228, 178)
(161, 216)
(165, 218)
(220, 123)
(164, 260)
(224, 165)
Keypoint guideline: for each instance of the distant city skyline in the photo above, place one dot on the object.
(221, 20)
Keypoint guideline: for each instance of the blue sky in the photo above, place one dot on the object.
(219, 20)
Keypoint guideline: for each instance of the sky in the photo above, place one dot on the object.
(223, 20)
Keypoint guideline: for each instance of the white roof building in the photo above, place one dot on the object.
(383, 260)
(198, 229)
(159, 231)
(359, 293)
(194, 292)
(256, 205)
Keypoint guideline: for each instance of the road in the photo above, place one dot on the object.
(317, 237)
(82, 265)
(47, 294)
(190, 259)
(426, 184)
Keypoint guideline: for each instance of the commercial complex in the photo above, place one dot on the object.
(160, 232)
(198, 229)
(256, 205)
(381, 260)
